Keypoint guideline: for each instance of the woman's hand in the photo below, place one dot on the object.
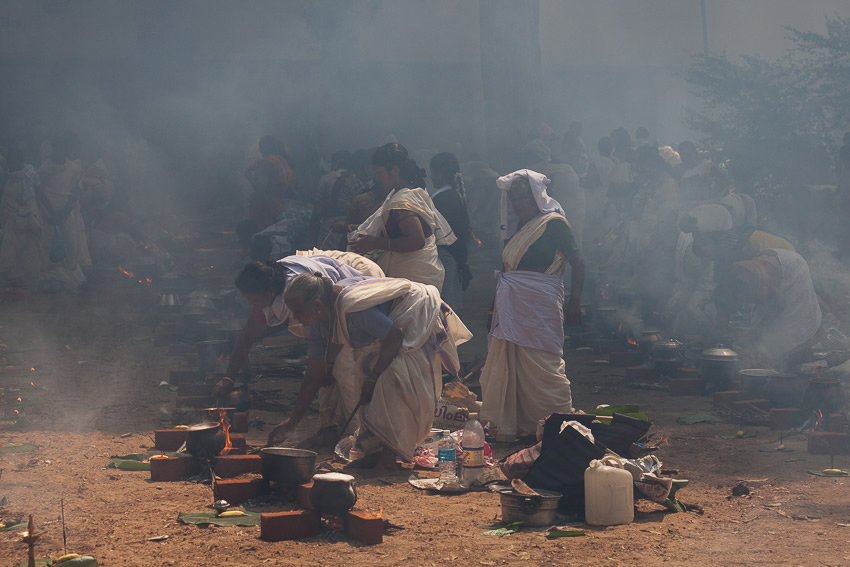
(364, 244)
(368, 390)
(281, 431)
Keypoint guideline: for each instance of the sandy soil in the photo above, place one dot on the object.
(101, 371)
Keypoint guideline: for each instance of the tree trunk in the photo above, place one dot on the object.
(511, 75)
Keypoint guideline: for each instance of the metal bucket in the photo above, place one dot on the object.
(288, 466)
(530, 510)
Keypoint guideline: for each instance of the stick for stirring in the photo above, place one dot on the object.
(348, 422)
(64, 537)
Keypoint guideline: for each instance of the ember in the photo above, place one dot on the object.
(126, 273)
(631, 341)
(152, 247)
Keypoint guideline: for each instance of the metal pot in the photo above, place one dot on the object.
(824, 394)
(648, 339)
(785, 391)
(287, 466)
(202, 441)
(719, 366)
(530, 510)
(667, 356)
(333, 493)
(169, 302)
(755, 379)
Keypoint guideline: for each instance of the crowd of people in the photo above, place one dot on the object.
(371, 264)
(58, 210)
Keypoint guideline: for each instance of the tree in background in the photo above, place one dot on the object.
(776, 124)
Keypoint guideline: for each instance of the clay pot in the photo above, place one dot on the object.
(333, 493)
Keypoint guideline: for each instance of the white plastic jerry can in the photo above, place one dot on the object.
(608, 493)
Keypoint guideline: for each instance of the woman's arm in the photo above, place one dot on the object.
(412, 236)
(253, 330)
(314, 378)
(389, 350)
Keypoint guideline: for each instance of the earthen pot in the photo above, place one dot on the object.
(333, 493)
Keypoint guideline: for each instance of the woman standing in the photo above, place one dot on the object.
(406, 227)
(401, 334)
(449, 197)
(21, 240)
(65, 245)
(524, 377)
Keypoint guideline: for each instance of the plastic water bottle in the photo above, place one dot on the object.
(447, 460)
(473, 450)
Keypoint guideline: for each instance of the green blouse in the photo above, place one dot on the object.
(556, 237)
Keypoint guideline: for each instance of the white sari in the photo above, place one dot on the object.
(60, 185)
(402, 408)
(421, 265)
(524, 377)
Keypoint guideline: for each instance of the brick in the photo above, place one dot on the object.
(172, 469)
(687, 373)
(686, 387)
(193, 401)
(297, 524)
(240, 422)
(169, 440)
(239, 490)
(228, 466)
(364, 527)
(194, 389)
(641, 373)
(761, 404)
(624, 359)
(785, 418)
(829, 443)
(726, 397)
(302, 495)
(837, 423)
(240, 446)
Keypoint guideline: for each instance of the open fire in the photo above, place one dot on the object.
(225, 428)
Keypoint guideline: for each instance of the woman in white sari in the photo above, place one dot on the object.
(524, 377)
(65, 245)
(406, 227)
(402, 335)
(262, 285)
(20, 224)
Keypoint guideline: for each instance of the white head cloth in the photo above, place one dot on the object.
(538, 183)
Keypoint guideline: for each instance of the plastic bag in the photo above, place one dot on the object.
(57, 245)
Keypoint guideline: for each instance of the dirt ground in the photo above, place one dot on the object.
(96, 394)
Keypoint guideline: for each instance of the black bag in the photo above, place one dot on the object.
(564, 457)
